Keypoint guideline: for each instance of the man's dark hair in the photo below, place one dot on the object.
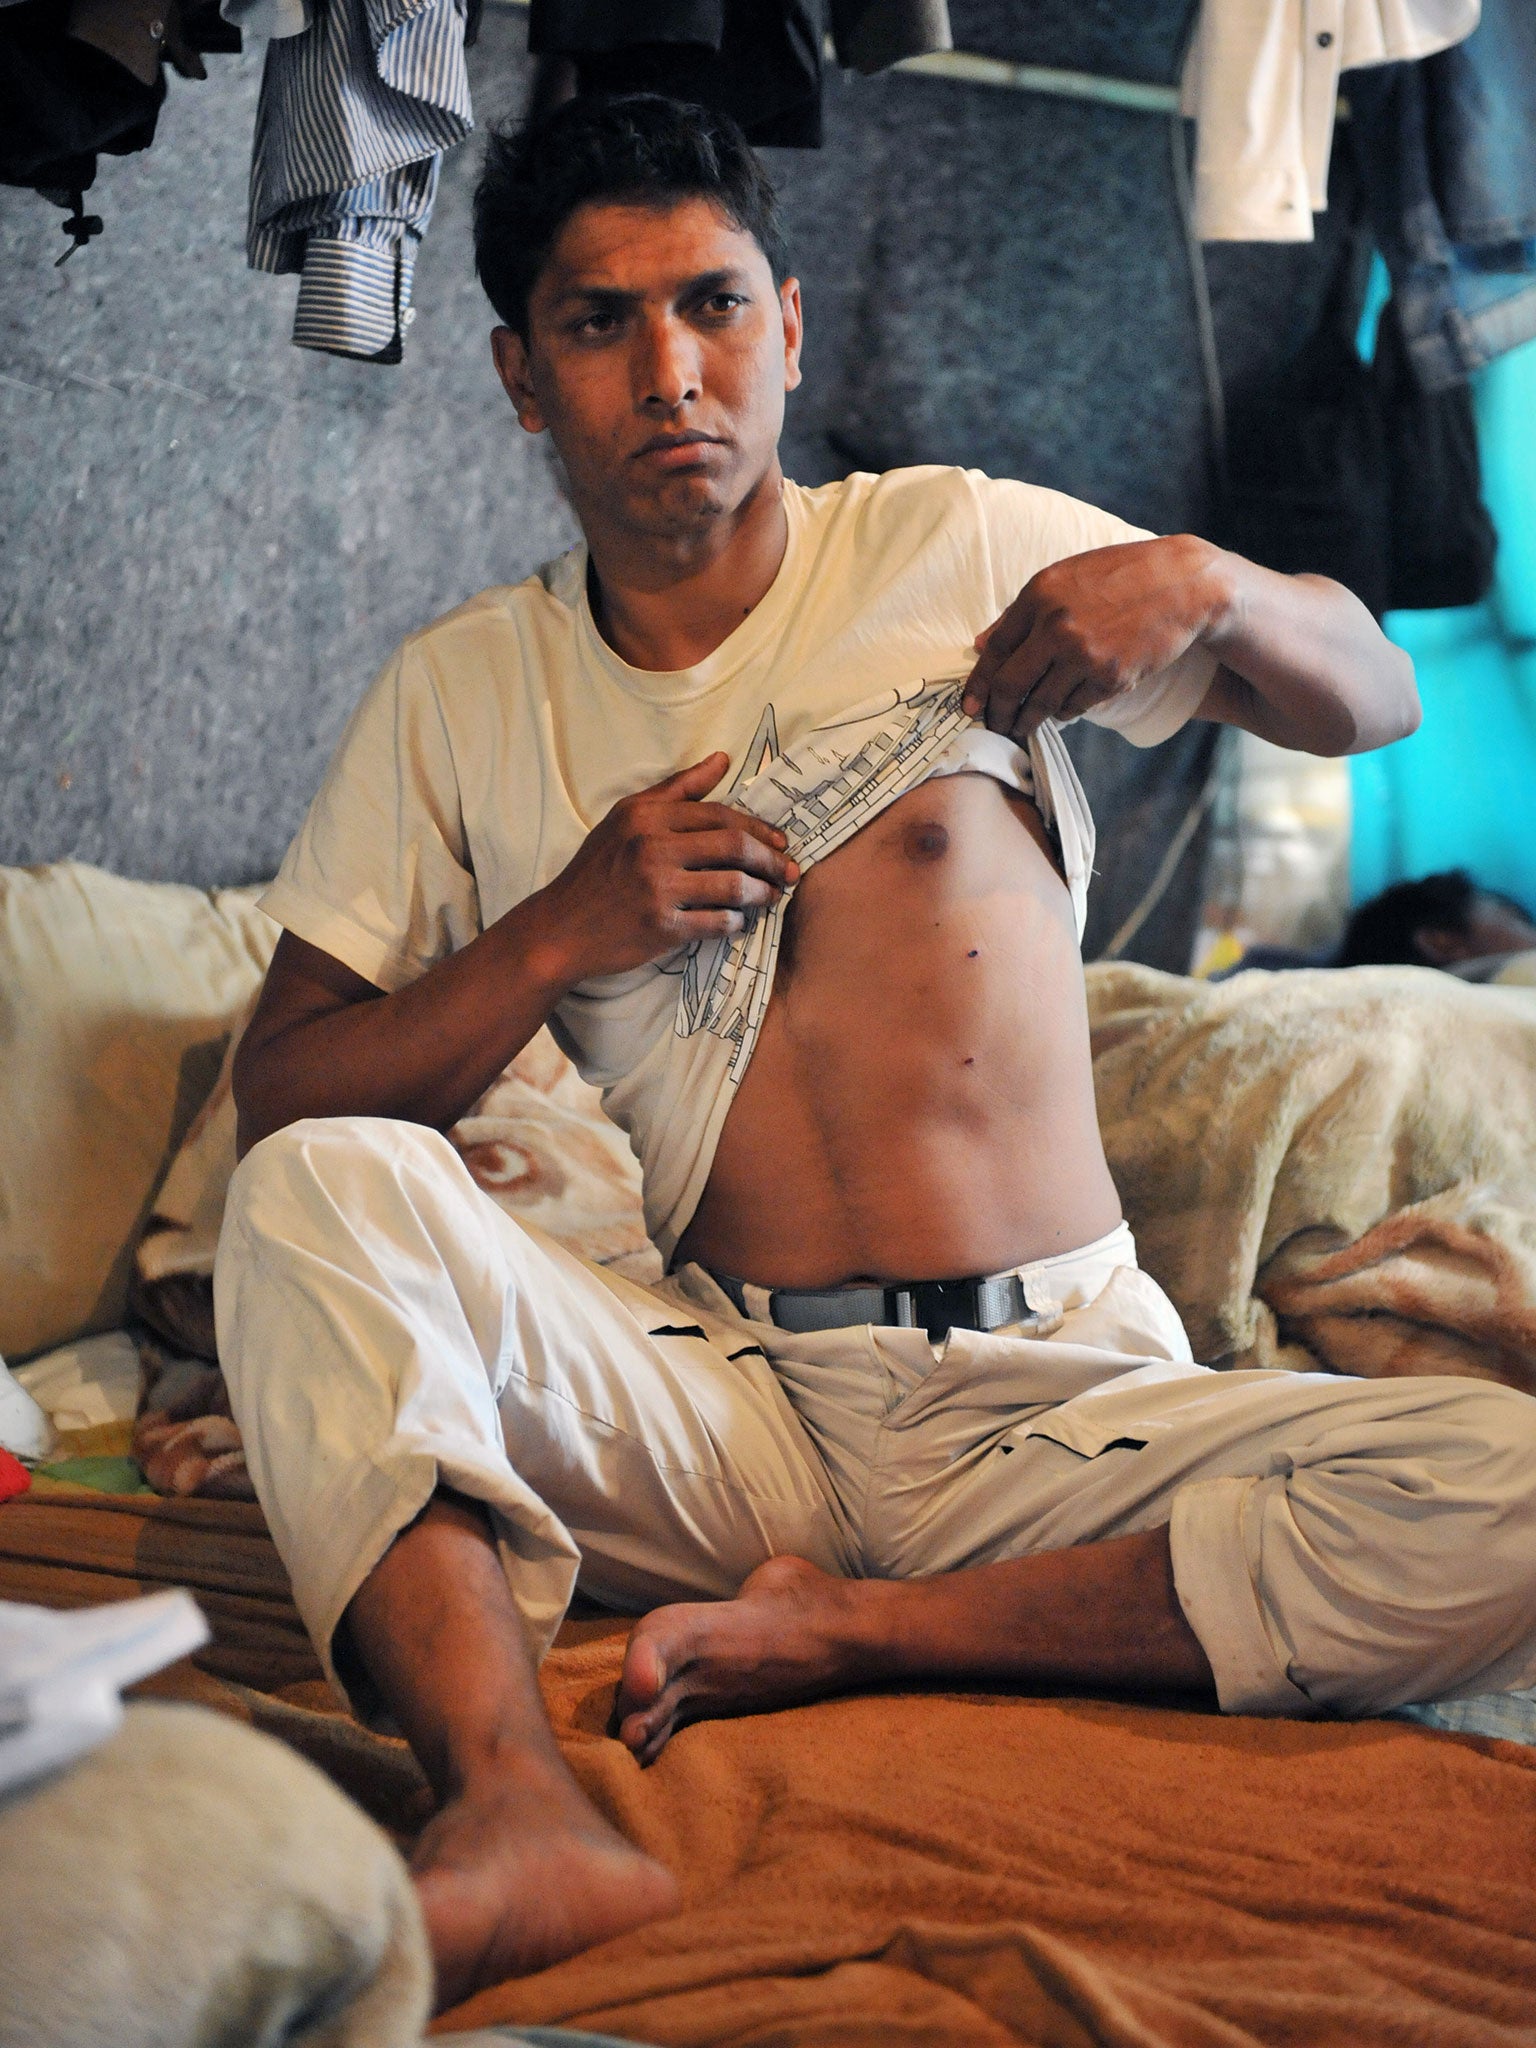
(1384, 932)
(634, 147)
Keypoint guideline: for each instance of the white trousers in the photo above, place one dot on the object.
(1338, 1544)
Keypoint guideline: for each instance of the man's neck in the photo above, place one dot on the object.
(665, 603)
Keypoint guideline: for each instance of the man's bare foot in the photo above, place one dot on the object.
(520, 1871)
(792, 1633)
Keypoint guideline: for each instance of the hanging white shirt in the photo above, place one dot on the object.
(1262, 81)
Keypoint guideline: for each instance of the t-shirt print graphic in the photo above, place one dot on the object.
(819, 793)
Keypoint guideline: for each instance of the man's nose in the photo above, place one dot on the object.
(667, 372)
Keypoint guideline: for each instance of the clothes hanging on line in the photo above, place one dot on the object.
(82, 79)
(1349, 469)
(1448, 152)
(761, 64)
(267, 18)
(354, 115)
(1262, 80)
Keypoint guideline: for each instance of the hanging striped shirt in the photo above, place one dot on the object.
(353, 119)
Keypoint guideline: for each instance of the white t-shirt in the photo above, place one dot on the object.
(494, 740)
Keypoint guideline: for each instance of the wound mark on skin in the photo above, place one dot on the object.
(971, 1061)
(972, 953)
(924, 840)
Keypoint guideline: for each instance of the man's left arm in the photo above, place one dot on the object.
(1300, 659)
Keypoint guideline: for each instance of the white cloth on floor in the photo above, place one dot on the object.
(61, 1674)
(87, 1384)
(1338, 1544)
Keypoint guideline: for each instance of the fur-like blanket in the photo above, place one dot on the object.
(1329, 1169)
(1323, 1169)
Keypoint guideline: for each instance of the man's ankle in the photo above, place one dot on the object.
(505, 1760)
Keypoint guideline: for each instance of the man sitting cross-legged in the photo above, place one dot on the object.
(726, 797)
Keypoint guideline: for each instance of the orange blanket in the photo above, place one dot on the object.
(967, 1872)
(936, 1869)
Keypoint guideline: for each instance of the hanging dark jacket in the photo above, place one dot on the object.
(757, 60)
(61, 101)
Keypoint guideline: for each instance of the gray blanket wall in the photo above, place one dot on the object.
(211, 539)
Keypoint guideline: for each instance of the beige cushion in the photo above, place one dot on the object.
(115, 1003)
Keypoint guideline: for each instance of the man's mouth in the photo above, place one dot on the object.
(676, 451)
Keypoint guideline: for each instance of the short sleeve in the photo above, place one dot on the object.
(379, 874)
(1028, 528)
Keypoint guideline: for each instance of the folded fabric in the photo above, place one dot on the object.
(1509, 1716)
(759, 63)
(977, 1870)
(61, 1674)
(96, 1474)
(355, 112)
(88, 1385)
(1448, 148)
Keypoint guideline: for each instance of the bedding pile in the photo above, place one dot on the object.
(1329, 1170)
(537, 1142)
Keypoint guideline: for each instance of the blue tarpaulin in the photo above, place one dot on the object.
(1462, 791)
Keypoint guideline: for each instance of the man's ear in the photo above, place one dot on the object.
(794, 330)
(509, 352)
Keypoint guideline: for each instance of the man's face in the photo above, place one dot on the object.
(658, 356)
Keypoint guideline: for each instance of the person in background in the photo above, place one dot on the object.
(1442, 920)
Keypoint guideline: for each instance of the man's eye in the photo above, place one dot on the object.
(724, 302)
(593, 324)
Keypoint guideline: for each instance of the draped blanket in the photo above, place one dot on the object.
(1329, 1169)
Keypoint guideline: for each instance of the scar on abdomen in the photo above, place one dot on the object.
(924, 841)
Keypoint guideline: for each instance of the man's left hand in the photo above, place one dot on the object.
(1091, 627)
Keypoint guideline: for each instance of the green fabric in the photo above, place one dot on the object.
(1461, 791)
(101, 1475)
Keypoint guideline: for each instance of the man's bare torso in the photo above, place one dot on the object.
(920, 1100)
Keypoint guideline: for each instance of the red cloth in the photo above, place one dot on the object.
(14, 1476)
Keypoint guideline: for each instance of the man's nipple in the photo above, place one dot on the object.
(924, 840)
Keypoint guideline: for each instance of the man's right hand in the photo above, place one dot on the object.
(662, 869)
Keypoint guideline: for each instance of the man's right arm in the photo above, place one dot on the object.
(662, 869)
